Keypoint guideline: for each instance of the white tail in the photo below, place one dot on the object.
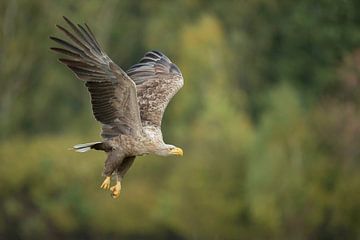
(84, 146)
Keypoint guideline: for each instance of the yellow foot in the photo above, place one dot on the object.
(115, 190)
(106, 183)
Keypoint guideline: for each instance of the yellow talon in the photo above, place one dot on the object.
(106, 183)
(115, 190)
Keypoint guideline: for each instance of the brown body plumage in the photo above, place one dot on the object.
(130, 105)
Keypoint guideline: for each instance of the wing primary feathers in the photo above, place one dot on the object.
(89, 38)
(77, 63)
(66, 52)
(78, 32)
(93, 36)
(151, 56)
(70, 35)
(158, 53)
(67, 45)
(113, 93)
(86, 71)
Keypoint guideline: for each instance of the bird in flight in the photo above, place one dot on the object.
(129, 105)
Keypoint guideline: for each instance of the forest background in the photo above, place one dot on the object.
(269, 120)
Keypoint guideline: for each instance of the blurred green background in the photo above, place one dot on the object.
(269, 119)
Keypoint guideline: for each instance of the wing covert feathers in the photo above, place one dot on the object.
(157, 80)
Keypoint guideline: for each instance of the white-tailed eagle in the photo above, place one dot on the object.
(129, 105)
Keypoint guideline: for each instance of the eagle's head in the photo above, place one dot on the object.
(169, 150)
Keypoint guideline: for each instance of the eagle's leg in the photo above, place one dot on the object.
(113, 160)
(120, 173)
(115, 190)
(106, 183)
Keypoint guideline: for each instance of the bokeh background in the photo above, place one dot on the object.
(269, 119)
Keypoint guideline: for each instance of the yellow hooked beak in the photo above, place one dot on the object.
(177, 152)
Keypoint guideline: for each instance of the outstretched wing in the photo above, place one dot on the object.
(113, 93)
(157, 80)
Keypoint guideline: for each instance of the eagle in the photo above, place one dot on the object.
(129, 105)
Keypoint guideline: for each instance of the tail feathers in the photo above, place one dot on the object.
(86, 146)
